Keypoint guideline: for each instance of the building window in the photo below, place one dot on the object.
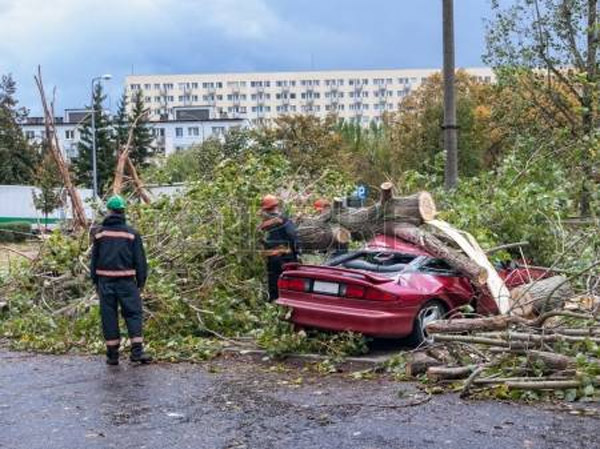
(194, 85)
(69, 134)
(30, 134)
(193, 131)
(157, 86)
(178, 132)
(135, 87)
(218, 130)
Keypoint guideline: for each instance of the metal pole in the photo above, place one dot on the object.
(94, 164)
(450, 125)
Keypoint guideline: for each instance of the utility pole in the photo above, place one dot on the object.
(450, 126)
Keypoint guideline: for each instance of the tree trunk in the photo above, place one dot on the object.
(477, 274)
(533, 299)
(437, 373)
(317, 235)
(488, 324)
(79, 218)
(366, 222)
(418, 363)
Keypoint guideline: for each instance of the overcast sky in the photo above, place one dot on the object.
(75, 40)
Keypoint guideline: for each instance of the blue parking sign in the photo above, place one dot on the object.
(361, 192)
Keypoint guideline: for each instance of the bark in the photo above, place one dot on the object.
(366, 222)
(551, 360)
(418, 363)
(432, 244)
(122, 161)
(317, 235)
(437, 373)
(547, 384)
(79, 218)
(137, 182)
(494, 323)
(533, 299)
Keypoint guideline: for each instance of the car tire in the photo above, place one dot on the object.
(431, 311)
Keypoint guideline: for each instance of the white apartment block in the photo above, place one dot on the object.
(358, 95)
(191, 127)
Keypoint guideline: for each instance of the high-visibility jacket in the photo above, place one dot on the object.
(118, 251)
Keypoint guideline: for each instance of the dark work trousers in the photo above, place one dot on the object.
(275, 268)
(123, 292)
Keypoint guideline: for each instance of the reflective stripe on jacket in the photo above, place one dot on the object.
(118, 251)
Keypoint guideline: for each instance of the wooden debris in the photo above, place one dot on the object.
(533, 299)
(437, 373)
(79, 218)
(418, 363)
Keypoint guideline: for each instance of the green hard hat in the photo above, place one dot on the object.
(116, 202)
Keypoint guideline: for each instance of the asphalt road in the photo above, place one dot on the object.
(71, 402)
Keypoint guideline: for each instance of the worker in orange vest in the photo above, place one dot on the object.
(280, 242)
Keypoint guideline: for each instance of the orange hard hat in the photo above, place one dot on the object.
(321, 204)
(269, 202)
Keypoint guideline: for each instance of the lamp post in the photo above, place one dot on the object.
(94, 163)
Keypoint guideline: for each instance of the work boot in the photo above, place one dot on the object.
(138, 354)
(112, 355)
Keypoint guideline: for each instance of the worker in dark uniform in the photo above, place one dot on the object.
(281, 241)
(118, 269)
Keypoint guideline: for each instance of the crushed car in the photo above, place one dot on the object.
(390, 288)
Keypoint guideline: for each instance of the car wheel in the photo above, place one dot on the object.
(431, 311)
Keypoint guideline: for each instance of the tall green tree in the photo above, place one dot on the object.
(121, 122)
(548, 49)
(106, 154)
(141, 147)
(18, 157)
(47, 180)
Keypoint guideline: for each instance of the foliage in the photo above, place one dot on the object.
(106, 155)
(18, 156)
(141, 146)
(14, 231)
(47, 180)
(548, 51)
(206, 275)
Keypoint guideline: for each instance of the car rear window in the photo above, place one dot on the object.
(385, 263)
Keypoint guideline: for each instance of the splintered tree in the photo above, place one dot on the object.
(106, 154)
(548, 49)
(18, 156)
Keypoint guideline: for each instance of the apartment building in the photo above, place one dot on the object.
(188, 127)
(358, 95)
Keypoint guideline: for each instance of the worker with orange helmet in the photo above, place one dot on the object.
(281, 241)
(321, 205)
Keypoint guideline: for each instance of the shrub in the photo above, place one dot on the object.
(14, 231)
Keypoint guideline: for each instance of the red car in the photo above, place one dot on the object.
(389, 289)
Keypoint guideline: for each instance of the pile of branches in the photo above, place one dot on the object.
(553, 351)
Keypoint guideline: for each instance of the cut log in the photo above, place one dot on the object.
(494, 323)
(541, 296)
(477, 274)
(437, 373)
(418, 363)
(366, 222)
(316, 235)
(551, 360)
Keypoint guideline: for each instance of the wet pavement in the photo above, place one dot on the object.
(71, 402)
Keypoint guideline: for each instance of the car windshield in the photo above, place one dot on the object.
(381, 262)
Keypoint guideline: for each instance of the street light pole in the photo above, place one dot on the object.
(450, 125)
(94, 159)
